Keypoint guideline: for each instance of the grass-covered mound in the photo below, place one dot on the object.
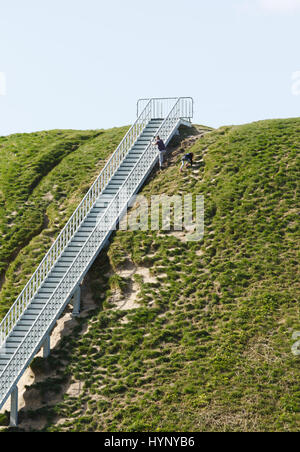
(209, 348)
(43, 176)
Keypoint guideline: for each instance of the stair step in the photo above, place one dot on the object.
(90, 218)
(21, 328)
(68, 259)
(3, 361)
(98, 209)
(142, 142)
(91, 222)
(38, 304)
(69, 253)
(103, 198)
(117, 179)
(74, 244)
(9, 352)
(29, 316)
(95, 214)
(61, 265)
(46, 288)
(113, 191)
(4, 358)
(127, 165)
(11, 345)
(130, 158)
(17, 335)
(140, 146)
(137, 156)
(101, 205)
(86, 229)
(58, 270)
(44, 295)
(55, 277)
(82, 235)
(115, 184)
(78, 239)
(136, 152)
(25, 323)
(72, 249)
(109, 198)
(31, 312)
(14, 340)
(119, 176)
(123, 172)
(53, 281)
(108, 190)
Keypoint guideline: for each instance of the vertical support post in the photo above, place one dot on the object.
(76, 302)
(106, 243)
(14, 407)
(46, 347)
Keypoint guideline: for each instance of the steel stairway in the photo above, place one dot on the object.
(28, 325)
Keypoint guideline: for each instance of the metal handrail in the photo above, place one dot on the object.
(105, 223)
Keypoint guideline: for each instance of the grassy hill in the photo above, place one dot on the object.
(182, 336)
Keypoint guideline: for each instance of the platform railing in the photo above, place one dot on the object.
(161, 106)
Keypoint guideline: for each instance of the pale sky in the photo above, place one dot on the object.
(83, 64)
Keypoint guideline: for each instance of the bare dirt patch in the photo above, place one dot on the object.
(128, 299)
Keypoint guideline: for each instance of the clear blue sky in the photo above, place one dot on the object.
(82, 64)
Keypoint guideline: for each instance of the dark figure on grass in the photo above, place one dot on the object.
(187, 159)
(161, 149)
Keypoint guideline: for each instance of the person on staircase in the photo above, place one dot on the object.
(161, 149)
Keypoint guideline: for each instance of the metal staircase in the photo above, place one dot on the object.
(28, 325)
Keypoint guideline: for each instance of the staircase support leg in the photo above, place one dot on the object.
(14, 407)
(46, 347)
(76, 302)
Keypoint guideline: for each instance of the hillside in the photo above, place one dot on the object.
(174, 335)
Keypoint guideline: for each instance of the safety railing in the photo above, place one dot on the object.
(97, 237)
(161, 106)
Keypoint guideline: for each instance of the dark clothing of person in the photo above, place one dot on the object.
(188, 158)
(161, 145)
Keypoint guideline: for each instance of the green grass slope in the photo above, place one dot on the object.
(209, 346)
(43, 176)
